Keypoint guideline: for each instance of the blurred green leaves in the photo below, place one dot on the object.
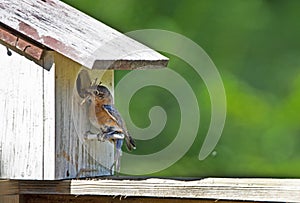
(255, 45)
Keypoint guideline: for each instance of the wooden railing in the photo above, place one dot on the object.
(145, 189)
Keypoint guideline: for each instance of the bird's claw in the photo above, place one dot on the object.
(101, 137)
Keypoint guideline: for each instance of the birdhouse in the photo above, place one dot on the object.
(50, 52)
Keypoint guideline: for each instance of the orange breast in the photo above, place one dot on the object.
(103, 118)
(100, 118)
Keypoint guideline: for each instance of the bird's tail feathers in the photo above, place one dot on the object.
(130, 143)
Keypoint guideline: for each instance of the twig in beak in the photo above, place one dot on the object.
(85, 99)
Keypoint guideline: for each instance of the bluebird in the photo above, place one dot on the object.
(107, 120)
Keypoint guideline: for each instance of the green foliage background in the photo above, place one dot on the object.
(256, 48)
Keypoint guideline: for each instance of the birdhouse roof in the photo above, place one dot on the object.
(35, 27)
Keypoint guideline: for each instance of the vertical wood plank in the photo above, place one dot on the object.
(73, 153)
(49, 124)
(21, 120)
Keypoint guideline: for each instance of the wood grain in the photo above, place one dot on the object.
(237, 189)
(10, 199)
(21, 120)
(22, 45)
(109, 199)
(76, 35)
(8, 187)
(49, 125)
(43, 124)
(74, 156)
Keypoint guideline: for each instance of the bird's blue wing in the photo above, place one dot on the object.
(113, 113)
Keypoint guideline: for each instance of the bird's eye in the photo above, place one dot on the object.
(96, 92)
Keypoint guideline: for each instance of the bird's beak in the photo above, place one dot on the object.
(88, 92)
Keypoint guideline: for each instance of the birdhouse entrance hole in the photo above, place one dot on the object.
(80, 111)
(83, 81)
(80, 116)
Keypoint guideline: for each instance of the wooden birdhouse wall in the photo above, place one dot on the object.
(73, 153)
(43, 123)
(22, 117)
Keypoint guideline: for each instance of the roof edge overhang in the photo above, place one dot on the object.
(36, 28)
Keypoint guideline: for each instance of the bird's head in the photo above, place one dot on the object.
(97, 91)
(101, 91)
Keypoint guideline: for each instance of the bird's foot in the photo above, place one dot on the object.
(90, 136)
(101, 137)
(113, 136)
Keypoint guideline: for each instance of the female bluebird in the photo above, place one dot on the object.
(107, 120)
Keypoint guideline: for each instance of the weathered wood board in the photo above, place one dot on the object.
(109, 199)
(74, 154)
(76, 35)
(216, 189)
(43, 124)
(21, 120)
(10, 199)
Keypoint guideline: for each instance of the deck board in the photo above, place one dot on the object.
(237, 189)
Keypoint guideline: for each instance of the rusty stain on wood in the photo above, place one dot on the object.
(65, 155)
(58, 45)
(20, 44)
(47, 40)
(29, 49)
(76, 35)
(8, 37)
(28, 30)
(68, 158)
